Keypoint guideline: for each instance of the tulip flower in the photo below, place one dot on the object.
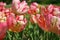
(55, 28)
(42, 23)
(52, 9)
(49, 19)
(33, 8)
(3, 25)
(19, 7)
(3, 21)
(17, 23)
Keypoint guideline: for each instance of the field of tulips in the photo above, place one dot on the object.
(21, 21)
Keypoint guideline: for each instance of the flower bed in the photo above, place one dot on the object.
(31, 22)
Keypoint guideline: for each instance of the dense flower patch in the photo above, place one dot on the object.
(13, 18)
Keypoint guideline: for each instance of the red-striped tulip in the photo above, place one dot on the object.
(19, 7)
(17, 23)
(49, 19)
(33, 8)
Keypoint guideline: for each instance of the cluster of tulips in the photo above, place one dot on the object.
(13, 18)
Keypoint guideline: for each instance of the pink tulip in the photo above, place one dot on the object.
(15, 4)
(50, 18)
(42, 23)
(3, 29)
(33, 8)
(17, 23)
(10, 19)
(3, 21)
(19, 7)
(52, 9)
(3, 25)
(55, 25)
(21, 19)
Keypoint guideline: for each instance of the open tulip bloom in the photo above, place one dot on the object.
(19, 7)
(16, 24)
(49, 19)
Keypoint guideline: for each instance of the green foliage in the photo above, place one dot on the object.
(6, 1)
(51, 1)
